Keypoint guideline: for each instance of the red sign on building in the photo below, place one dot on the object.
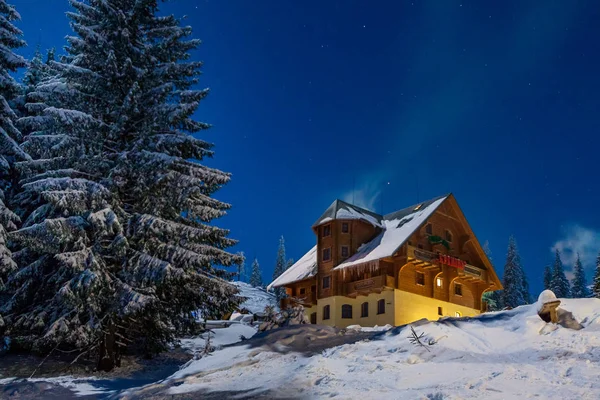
(451, 261)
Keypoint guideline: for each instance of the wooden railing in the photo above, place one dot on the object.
(431, 258)
(375, 283)
(305, 300)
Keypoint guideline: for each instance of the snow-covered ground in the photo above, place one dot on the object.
(504, 355)
(510, 354)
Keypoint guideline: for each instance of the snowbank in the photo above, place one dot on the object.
(257, 298)
(508, 354)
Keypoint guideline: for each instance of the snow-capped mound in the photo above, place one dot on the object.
(257, 298)
(545, 297)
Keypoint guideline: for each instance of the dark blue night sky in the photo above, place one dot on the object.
(497, 102)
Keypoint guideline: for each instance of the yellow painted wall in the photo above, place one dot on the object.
(400, 308)
(411, 307)
(336, 302)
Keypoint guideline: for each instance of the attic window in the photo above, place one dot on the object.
(448, 236)
(417, 208)
(326, 231)
(429, 229)
(345, 227)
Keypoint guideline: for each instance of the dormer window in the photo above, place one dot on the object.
(345, 227)
(429, 229)
(326, 231)
(448, 236)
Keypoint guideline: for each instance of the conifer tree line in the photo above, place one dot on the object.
(106, 240)
(516, 287)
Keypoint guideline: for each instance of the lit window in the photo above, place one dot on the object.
(417, 208)
(345, 227)
(364, 310)
(440, 311)
(345, 251)
(326, 230)
(448, 236)
(327, 254)
(429, 229)
(420, 278)
(457, 314)
(326, 312)
(458, 289)
(346, 311)
(381, 307)
(438, 282)
(326, 282)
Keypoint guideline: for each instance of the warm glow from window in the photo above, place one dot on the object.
(438, 282)
(457, 314)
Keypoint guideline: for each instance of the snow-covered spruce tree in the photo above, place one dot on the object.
(579, 288)
(494, 300)
(289, 263)
(117, 206)
(547, 277)
(256, 276)
(10, 137)
(37, 71)
(280, 267)
(513, 277)
(596, 283)
(560, 284)
(241, 268)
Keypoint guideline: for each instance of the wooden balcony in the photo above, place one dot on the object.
(423, 258)
(364, 287)
(430, 260)
(305, 300)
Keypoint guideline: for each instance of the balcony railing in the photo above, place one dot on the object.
(366, 286)
(306, 300)
(429, 259)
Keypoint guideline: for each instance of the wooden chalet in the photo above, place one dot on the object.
(419, 262)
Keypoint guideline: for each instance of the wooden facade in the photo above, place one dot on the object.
(439, 270)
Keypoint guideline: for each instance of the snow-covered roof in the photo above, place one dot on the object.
(304, 268)
(397, 228)
(341, 210)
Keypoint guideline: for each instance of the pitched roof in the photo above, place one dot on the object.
(304, 268)
(341, 210)
(397, 228)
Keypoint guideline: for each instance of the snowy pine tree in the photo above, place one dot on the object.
(289, 263)
(494, 300)
(596, 283)
(280, 267)
(115, 213)
(241, 269)
(560, 284)
(547, 277)
(579, 288)
(513, 277)
(10, 137)
(256, 277)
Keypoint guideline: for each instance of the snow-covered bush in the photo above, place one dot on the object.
(289, 316)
